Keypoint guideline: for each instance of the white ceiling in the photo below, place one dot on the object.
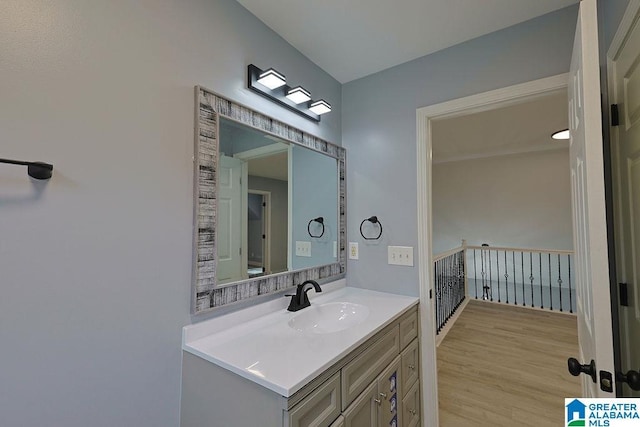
(350, 39)
(275, 166)
(521, 128)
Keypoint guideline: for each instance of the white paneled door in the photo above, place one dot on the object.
(625, 77)
(589, 217)
(230, 213)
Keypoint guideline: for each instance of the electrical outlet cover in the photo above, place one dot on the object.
(353, 250)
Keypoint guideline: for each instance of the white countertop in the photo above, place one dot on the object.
(264, 349)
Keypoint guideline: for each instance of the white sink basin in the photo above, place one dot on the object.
(329, 317)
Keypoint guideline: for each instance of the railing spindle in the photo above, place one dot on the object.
(490, 278)
(475, 273)
(550, 291)
(515, 292)
(559, 283)
(522, 270)
(485, 295)
(531, 275)
(570, 299)
(498, 273)
(541, 299)
(506, 276)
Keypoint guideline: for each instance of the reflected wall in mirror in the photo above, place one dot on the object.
(270, 205)
(314, 194)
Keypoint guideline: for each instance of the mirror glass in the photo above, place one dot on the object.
(277, 205)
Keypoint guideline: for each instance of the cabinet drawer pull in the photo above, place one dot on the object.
(383, 395)
(378, 401)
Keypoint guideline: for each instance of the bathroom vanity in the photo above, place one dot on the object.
(351, 359)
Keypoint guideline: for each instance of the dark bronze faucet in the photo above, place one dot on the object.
(300, 300)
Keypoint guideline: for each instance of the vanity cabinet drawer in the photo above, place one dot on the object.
(410, 365)
(362, 370)
(408, 328)
(320, 408)
(411, 407)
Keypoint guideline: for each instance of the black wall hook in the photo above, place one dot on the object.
(374, 220)
(319, 220)
(37, 170)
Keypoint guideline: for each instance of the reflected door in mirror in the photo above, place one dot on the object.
(230, 211)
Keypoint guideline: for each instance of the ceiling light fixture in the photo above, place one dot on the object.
(320, 107)
(272, 79)
(561, 134)
(299, 95)
(296, 99)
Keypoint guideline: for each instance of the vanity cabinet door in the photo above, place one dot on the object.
(408, 328)
(411, 407)
(339, 422)
(389, 395)
(410, 365)
(364, 369)
(363, 412)
(320, 408)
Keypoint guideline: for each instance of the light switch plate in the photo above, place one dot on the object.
(400, 255)
(303, 249)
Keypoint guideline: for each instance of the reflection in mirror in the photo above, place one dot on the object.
(314, 193)
(268, 192)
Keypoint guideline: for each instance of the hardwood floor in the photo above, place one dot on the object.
(504, 366)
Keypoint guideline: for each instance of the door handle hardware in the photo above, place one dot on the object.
(575, 368)
(632, 378)
(378, 401)
(384, 395)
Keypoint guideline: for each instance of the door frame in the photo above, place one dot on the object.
(266, 220)
(458, 107)
(626, 24)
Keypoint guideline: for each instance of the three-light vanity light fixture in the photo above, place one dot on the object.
(273, 85)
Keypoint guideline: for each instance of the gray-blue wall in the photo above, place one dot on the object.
(95, 270)
(379, 129)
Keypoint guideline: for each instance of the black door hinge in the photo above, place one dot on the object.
(615, 118)
(623, 294)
